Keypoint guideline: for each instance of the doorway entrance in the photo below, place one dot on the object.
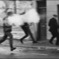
(41, 29)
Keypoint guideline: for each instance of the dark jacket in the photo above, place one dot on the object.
(7, 28)
(53, 25)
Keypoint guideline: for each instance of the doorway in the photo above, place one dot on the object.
(41, 27)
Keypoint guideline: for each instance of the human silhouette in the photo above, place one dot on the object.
(7, 32)
(54, 29)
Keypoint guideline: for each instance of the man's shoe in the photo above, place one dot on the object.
(13, 49)
(57, 44)
(34, 41)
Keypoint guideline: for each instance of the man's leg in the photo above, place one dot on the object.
(53, 36)
(57, 41)
(11, 41)
(3, 39)
(31, 35)
(26, 33)
(51, 39)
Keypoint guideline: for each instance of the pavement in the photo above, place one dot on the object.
(28, 50)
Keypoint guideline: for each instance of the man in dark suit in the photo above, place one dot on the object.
(7, 31)
(54, 29)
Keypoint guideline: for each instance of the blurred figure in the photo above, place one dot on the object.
(7, 31)
(27, 32)
(54, 29)
(30, 16)
(24, 19)
(26, 28)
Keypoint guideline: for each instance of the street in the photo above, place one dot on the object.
(28, 50)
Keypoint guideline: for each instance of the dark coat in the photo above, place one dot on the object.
(7, 28)
(53, 25)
